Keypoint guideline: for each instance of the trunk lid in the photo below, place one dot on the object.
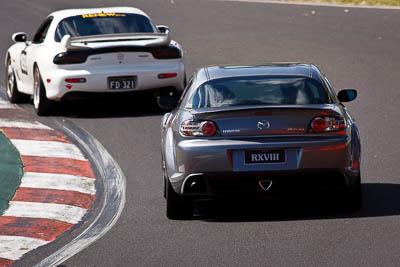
(258, 121)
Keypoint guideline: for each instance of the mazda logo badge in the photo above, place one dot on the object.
(265, 184)
(120, 56)
(263, 125)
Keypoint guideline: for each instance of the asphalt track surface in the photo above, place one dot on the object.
(357, 48)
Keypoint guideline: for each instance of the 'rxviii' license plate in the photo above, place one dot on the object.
(264, 156)
(120, 83)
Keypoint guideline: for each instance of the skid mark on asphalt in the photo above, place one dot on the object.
(56, 191)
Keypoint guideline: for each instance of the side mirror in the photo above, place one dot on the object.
(19, 37)
(163, 28)
(167, 102)
(347, 95)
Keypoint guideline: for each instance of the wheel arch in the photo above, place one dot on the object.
(355, 144)
(8, 56)
(169, 153)
(36, 65)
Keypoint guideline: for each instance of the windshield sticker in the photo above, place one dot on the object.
(96, 15)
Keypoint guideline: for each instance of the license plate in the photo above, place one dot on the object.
(121, 83)
(264, 156)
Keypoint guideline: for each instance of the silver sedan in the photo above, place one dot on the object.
(258, 131)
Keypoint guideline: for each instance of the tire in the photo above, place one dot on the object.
(14, 96)
(164, 179)
(41, 104)
(354, 197)
(178, 207)
(351, 199)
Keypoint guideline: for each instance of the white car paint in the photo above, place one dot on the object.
(97, 68)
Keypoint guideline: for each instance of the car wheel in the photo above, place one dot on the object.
(14, 96)
(165, 190)
(40, 101)
(184, 81)
(354, 197)
(165, 184)
(178, 207)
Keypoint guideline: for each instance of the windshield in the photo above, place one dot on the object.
(258, 90)
(103, 23)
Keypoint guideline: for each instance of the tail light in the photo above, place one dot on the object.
(69, 58)
(328, 124)
(166, 52)
(198, 128)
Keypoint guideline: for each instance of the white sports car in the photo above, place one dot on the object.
(115, 49)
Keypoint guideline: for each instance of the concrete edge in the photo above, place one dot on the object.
(114, 196)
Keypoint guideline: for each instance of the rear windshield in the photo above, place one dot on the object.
(103, 23)
(241, 91)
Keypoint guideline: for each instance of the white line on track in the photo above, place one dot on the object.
(6, 104)
(14, 247)
(50, 149)
(114, 197)
(23, 124)
(65, 213)
(313, 4)
(59, 182)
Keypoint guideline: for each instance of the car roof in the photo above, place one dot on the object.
(61, 14)
(295, 69)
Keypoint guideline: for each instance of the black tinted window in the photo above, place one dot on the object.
(41, 33)
(103, 23)
(256, 90)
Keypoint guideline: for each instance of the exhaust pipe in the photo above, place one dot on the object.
(265, 184)
(194, 184)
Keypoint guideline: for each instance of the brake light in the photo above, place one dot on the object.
(198, 128)
(166, 52)
(318, 125)
(75, 80)
(166, 75)
(208, 128)
(328, 124)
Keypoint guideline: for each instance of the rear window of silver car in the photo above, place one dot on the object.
(249, 91)
(103, 23)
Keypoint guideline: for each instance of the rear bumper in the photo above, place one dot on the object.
(146, 78)
(312, 163)
(248, 183)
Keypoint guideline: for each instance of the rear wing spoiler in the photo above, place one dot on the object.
(153, 39)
